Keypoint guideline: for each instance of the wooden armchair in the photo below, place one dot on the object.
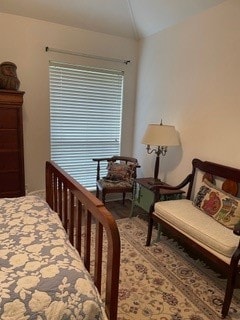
(121, 172)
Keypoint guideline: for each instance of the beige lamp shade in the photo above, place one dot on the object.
(160, 135)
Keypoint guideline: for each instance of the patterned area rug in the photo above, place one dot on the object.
(162, 282)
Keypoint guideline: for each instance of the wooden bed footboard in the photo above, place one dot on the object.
(80, 211)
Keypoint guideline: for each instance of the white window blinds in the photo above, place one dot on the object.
(85, 118)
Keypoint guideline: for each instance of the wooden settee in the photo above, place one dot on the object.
(207, 220)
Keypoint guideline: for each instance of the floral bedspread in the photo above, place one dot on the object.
(41, 275)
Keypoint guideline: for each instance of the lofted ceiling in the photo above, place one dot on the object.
(135, 19)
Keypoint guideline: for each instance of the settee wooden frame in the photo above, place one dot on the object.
(232, 179)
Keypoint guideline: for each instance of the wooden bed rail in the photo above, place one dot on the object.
(81, 212)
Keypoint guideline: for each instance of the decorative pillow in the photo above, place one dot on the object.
(220, 205)
(120, 171)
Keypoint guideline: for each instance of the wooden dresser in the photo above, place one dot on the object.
(12, 181)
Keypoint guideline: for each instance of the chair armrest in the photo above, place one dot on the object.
(236, 229)
(99, 165)
(101, 159)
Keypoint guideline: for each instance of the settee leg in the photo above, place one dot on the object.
(231, 282)
(227, 301)
(149, 235)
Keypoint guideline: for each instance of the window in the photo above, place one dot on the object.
(85, 118)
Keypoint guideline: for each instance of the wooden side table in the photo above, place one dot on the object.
(143, 196)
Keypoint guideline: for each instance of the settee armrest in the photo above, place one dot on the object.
(157, 187)
(236, 229)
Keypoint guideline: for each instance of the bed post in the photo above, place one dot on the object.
(48, 185)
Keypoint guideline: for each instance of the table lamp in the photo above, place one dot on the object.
(160, 137)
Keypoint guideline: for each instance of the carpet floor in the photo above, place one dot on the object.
(162, 282)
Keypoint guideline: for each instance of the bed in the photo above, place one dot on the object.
(47, 267)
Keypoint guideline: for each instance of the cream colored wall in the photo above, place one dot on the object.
(189, 76)
(23, 42)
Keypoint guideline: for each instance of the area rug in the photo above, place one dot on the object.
(162, 282)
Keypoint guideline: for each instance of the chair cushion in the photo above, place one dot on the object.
(183, 215)
(120, 171)
(108, 184)
(218, 204)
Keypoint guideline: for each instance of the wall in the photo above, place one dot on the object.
(23, 42)
(189, 76)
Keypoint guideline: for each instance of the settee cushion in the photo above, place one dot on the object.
(220, 205)
(183, 215)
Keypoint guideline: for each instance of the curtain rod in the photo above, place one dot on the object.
(86, 55)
